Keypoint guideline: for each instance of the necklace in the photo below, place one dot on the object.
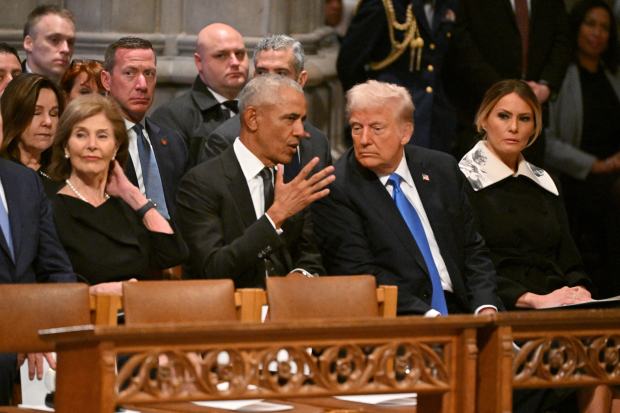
(74, 189)
(44, 175)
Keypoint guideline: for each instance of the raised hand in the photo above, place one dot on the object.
(291, 198)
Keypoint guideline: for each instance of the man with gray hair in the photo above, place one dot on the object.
(240, 222)
(281, 55)
(222, 64)
(401, 213)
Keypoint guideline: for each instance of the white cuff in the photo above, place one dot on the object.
(279, 231)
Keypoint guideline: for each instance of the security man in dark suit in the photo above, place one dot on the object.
(222, 63)
(282, 55)
(158, 157)
(404, 42)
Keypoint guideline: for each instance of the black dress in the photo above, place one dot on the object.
(524, 224)
(526, 230)
(110, 242)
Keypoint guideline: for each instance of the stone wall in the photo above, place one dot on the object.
(172, 25)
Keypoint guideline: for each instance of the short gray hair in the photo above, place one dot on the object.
(373, 93)
(264, 90)
(282, 42)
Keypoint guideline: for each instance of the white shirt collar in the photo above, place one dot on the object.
(220, 99)
(483, 168)
(250, 164)
(402, 170)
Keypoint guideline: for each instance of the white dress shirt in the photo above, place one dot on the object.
(411, 193)
(133, 151)
(221, 99)
(408, 187)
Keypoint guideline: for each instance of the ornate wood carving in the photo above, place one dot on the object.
(567, 359)
(277, 371)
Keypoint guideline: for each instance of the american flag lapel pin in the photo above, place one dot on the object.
(164, 141)
(426, 178)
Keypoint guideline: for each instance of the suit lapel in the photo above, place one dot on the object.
(420, 15)
(238, 187)
(12, 194)
(427, 190)
(384, 207)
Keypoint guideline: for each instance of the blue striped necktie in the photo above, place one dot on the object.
(150, 172)
(6, 229)
(411, 217)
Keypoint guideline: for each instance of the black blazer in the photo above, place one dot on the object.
(171, 155)
(218, 222)
(361, 231)
(316, 145)
(487, 46)
(194, 115)
(39, 256)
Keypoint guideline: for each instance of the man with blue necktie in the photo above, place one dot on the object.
(158, 156)
(30, 252)
(401, 212)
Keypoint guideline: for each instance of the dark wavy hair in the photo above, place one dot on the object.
(17, 106)
(577, 16)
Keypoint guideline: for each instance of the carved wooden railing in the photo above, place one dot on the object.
(434, 357)
(555, 349)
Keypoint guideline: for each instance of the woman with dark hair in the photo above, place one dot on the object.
(522, 219)
(583, 142)
(82, 78)
(31, 105)
(109, 229)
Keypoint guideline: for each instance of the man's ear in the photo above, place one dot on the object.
(250, 118)
(105, 79)
(302, 78)
(406, 132)
(198, 62)
(28, 43)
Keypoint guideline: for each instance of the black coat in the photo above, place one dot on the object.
(361, 231)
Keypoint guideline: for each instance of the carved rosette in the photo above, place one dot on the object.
(568, 360)
(282, 371)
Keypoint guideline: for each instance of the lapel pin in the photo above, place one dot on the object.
(426, 178)
(164, 141)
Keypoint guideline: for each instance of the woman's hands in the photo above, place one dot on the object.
(557, 298)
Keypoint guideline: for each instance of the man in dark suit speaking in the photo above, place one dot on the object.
(401, 213)
(236, 224)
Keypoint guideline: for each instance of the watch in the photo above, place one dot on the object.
(145, 208)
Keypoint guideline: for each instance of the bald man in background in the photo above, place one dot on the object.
(222, 63)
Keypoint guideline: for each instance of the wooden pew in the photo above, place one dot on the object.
(434, 357)
(570, 348)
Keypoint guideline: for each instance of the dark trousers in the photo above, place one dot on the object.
(8, 375)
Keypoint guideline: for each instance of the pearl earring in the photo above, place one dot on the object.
(66, 155)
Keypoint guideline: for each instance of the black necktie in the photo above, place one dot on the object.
(292, 168)
(266, 174)
(232, 105)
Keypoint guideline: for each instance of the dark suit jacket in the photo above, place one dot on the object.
(316, 145)
(361, 231)
(171, 155)
(487, 46)
(218, 222)
(368, 40)
(39, 256)
(194, 115)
